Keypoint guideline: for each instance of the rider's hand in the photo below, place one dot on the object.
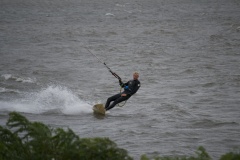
(120, 83)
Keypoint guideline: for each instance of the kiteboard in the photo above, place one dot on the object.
(99, 109)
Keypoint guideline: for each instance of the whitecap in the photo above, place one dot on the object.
(109, 14)
(120, 5)
(2, 90)
(5, 90)
(26, 80)
(18, 78)
(238, 28)
(6, 76)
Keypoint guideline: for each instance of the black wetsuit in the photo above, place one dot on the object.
(133, 86)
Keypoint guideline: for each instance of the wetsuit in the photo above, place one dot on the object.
(130, 88)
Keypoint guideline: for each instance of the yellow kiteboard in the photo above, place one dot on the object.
(99, 108)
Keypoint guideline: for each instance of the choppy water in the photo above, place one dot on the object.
(187, 53)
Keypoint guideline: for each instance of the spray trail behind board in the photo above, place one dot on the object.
(53, 99)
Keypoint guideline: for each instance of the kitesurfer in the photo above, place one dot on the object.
(130, 88)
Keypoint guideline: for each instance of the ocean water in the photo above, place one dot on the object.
(187, 54)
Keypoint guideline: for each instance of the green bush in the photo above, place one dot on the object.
(231, 156)
(25, 140)
(201, 155)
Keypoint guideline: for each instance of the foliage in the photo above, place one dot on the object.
(25, 140)
(231, 156)
(201, 155)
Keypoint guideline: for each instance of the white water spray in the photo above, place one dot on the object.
(53, 99)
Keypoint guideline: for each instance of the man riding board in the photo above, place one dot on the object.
(130, 88)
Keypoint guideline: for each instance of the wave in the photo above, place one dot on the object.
(53, 99)
(5, 90)
(109, 14)
(208, 123)
(18, 78)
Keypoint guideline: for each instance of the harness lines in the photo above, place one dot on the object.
(113, 73)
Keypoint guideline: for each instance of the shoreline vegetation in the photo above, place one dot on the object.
(22, 139)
